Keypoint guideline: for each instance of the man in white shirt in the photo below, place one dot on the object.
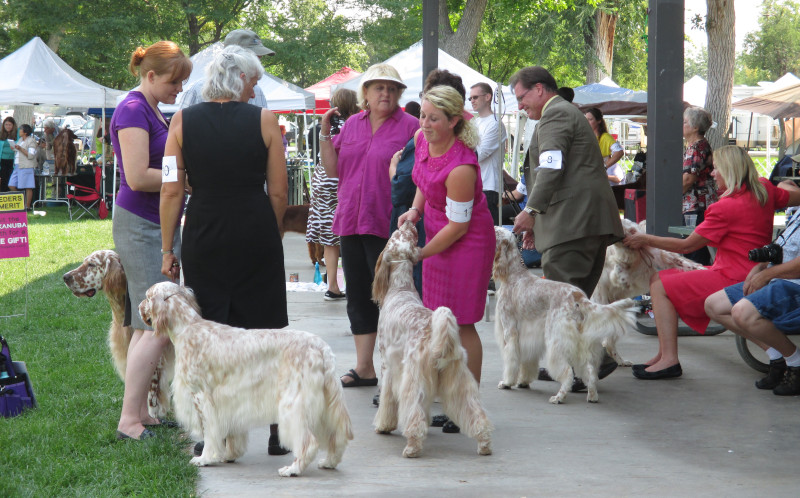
(246, 39)
(491, 150)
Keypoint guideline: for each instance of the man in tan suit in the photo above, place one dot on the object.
(571, 214)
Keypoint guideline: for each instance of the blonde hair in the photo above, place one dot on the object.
(378, 72)
(164, 57)
(449, 101)
(738, 172)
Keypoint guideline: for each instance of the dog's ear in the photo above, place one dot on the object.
(114, 281)
(380, 284)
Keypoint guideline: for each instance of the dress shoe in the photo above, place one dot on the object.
(665, 373)
(450, 428)
(198, 448)
(578, 385)
(543, 375)
(608, 366)
(774, 376)
(274, 447)
(790, 385)
(376, 400)
(439, 420)
(640, 366)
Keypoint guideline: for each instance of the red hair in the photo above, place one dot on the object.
(164, 57)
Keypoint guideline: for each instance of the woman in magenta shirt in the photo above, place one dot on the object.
(359, 157)
(741, 220)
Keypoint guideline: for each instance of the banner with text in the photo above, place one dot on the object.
(13, 226)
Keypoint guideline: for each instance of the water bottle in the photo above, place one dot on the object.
(317, 275)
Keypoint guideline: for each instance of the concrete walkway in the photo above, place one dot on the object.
(708, 433)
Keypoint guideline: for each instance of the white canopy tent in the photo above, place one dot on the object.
(409, 64)
(34, 74)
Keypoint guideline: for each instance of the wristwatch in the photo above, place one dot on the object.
(530, 210)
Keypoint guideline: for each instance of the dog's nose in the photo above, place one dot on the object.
(67, 278)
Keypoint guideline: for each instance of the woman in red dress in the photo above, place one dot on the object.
(741, 220)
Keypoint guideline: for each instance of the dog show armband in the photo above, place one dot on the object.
(550, 159)
(459, 212)
(169, 169)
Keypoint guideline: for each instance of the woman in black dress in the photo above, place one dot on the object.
(225, 149)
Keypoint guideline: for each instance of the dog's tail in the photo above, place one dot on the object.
(445, 343)
(606, 323)
(338, 418)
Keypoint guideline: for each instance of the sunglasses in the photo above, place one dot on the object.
(475, 97)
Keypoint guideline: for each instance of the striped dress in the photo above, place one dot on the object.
(323, 206)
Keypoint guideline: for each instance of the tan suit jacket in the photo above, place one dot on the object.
(574, 200)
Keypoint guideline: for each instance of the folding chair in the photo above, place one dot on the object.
(85, 197)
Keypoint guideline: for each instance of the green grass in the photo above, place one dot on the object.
(67, 446)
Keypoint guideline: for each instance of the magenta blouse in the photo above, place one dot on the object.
(365, 201)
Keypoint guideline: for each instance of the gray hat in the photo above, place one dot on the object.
(247, 39)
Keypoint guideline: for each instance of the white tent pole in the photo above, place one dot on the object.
(769, 141)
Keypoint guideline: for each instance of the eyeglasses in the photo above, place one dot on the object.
(520, 97)
(475, 97)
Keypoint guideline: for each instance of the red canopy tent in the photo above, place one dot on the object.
(322, 89)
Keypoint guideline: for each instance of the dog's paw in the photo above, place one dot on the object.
(412, 451)
(200, 461)
(592, 396)
(503, 385)
(326, 464)
(625, 363)
(556, 400)
(523, 385)
(485, 448)
(289, 471)
(384, 430)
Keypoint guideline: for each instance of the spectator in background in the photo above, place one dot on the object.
(359, 157)
(491, 150)
(245, 39)
(609, 148)
(22, 177)
(285, 141)
(324, 200)
(47, 142)
(566, 93)
(8, 137)
(699, 189)
(741, 220)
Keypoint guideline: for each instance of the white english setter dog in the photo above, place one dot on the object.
(229, 380)
(422, 355)
(627, 272)
(102, 270)
(543, 319)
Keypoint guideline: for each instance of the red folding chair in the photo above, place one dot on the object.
(87, 198)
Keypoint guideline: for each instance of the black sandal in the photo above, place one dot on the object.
(358, 381)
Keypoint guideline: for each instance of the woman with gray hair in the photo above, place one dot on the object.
(225, 149)
(699, 189)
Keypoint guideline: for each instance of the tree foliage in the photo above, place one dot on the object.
(772, 51)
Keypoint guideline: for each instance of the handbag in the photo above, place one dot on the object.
(16, 392)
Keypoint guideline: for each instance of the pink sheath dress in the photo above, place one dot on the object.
(459, 276)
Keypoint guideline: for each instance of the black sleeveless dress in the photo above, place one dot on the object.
(232, 254)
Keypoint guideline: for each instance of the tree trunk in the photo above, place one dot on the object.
(721, 59)
(606, 25)
(459, 43)
(23, 114)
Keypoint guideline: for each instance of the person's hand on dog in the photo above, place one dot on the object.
(635, 240)
(528, 242)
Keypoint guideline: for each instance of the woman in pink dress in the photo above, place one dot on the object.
(741, 220)
(460, 239)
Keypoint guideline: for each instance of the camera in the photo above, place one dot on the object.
(770, 253)
(336, 124)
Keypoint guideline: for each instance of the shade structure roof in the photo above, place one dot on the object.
(779, 104)
(611, 99)
(322, 88)
(34, 74)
